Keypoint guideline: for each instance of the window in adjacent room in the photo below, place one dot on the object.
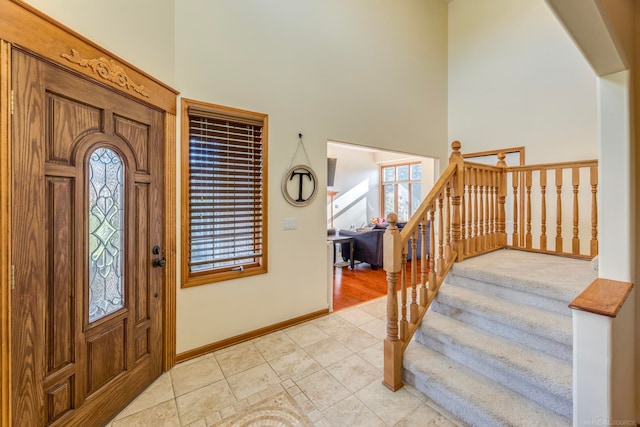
(401, 189)
(224, 193)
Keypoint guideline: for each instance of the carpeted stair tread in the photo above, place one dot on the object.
(528, 319)
(470, 396)
(519, 367)
(546, 275)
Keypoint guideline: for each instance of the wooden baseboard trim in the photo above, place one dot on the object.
(603, 296)
(209, 348)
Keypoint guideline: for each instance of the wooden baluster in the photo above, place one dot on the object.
(593, 172)
(487, 204)
(502, 197)
(496, 209)
(455, 222)
(489, 209)
(469, 211)
(413, 313)
(575, 181)
(515, 238)
(528, 184)
(463, 219)
(440, 233)
(404, 324)
(432, 245)
(476, 219)
(543, 210)
(559, 210)
(481, 223)
(424, 262)
(447, 225)
(392, 265)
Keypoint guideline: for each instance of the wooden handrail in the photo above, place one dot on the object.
(466, 214)
(561, 165)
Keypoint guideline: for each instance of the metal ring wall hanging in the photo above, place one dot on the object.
(300, 183)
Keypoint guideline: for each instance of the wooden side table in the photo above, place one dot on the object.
(338, 239)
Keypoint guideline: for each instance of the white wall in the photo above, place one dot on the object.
(140, 32)
(517, 79)
(371, 72)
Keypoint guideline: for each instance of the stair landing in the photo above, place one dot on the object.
(561, 277)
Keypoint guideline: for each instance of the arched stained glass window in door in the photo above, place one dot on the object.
(106, 233)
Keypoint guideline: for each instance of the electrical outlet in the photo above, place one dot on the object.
(289, 223)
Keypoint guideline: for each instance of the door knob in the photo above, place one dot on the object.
(159, 262)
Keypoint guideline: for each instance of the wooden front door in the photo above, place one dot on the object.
(87, 226)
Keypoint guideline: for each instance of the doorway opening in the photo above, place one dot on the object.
(364, 185)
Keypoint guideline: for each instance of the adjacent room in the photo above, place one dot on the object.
(364, 184)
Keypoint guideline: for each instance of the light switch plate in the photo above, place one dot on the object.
(289, 223)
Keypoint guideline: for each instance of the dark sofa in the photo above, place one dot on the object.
(368, 245)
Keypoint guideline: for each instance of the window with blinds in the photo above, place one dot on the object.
(225, 200)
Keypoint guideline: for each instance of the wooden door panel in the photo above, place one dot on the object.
(68, 369)
(142, 255)
(68, 120)
(137, 134)
(106, 355)
(60, 399)
(60, 314)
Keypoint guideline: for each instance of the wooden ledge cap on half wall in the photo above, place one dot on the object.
(603, 296)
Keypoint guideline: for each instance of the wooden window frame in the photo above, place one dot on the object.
(395, 182)
(215, 112)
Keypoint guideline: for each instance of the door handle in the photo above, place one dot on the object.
(159, 262)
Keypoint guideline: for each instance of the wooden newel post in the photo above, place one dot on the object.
(502, 198)
(456, 199)
(392, 264)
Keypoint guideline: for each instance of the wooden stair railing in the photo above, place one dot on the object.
(535, 211)
(440, 210)
(466, 213)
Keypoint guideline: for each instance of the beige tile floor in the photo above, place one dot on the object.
(332, 368)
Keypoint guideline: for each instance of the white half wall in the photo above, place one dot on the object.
(604, 367)
(517, 79)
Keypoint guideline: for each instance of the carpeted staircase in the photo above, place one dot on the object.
(496, 346)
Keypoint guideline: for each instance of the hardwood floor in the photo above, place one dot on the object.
(351, 287)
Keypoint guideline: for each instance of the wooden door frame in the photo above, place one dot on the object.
(23, 25)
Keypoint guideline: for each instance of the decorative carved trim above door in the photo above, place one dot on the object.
(107, 69)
